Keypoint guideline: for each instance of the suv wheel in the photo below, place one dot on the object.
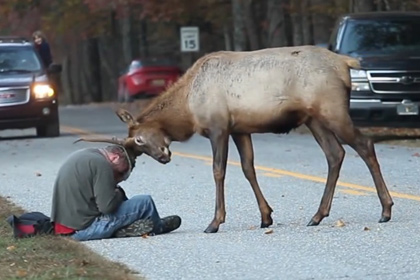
(49, 130)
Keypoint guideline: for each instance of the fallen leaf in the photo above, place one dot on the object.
(84, 262)
(270, 231)
(145, 235)
(340, 223)
(38, 174)
(21, 273)
(252, 227)
(415, 155)
(11, 248)
(366, 228)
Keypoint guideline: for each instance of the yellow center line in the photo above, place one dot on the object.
(273, 171)
(352, 192)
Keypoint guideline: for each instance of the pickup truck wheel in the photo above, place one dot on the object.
(49, 130)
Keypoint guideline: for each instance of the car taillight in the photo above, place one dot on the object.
(137, 80)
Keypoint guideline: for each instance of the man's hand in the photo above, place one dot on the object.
(119, 189)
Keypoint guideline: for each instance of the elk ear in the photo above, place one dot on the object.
(126, 117)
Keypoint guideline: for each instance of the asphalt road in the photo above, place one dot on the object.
(291, 170)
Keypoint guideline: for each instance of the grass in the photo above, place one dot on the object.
(51, 257)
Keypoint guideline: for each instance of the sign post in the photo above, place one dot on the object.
(190, 39)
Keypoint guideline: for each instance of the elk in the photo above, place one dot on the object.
(270, 90)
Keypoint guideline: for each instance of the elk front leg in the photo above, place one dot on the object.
(219, 143)
(334, 153)
(243, 143)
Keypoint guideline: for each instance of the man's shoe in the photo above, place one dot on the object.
(136, 229)
(170, 223)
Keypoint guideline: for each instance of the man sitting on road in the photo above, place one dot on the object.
(89, 204)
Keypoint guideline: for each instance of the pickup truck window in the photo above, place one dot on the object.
(381, 36)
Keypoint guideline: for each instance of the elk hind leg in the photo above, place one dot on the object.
(243, 143)
(344, 128)
(334, 153)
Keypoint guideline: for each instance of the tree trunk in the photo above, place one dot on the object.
(277, 23)
(296, 16)
(93, 75)
(227, 37)
(127, 51)
(322, 21)
(111, 66)
(360, 6)
(239, 37)
(66, 96)
(251, 28)
(307, 28)
(144, 45)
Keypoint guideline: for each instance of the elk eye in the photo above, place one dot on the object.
(139, 141)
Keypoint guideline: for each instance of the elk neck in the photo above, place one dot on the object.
(171, 113)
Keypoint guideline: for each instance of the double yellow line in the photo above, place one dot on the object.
(350, 188)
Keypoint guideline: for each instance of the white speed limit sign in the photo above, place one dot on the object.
(190, 39)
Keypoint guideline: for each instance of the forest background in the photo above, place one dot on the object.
(95, 40)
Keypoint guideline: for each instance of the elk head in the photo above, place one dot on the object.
(146, 138)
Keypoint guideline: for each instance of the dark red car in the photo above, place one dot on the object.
(146, 77)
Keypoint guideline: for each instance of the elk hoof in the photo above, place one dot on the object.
(312, 223)
(384, 219)
(211, 229)
(266, 225)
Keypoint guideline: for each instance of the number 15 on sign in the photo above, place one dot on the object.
(190, 39)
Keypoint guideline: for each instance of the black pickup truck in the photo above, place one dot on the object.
(386, 92)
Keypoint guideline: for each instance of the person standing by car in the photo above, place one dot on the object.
(43, 47)
(89, 204)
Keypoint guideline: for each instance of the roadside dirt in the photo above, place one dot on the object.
(51, 257)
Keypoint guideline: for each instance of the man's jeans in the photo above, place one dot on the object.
(136, 208)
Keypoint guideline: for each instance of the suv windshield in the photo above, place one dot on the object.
(383, 37)
(18, 60)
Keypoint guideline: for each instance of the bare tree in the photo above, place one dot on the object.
(359, 6)
(239, 35)
(278, 32)
(250, 24)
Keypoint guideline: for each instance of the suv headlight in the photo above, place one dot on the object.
(357, 74)
(42, 91)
